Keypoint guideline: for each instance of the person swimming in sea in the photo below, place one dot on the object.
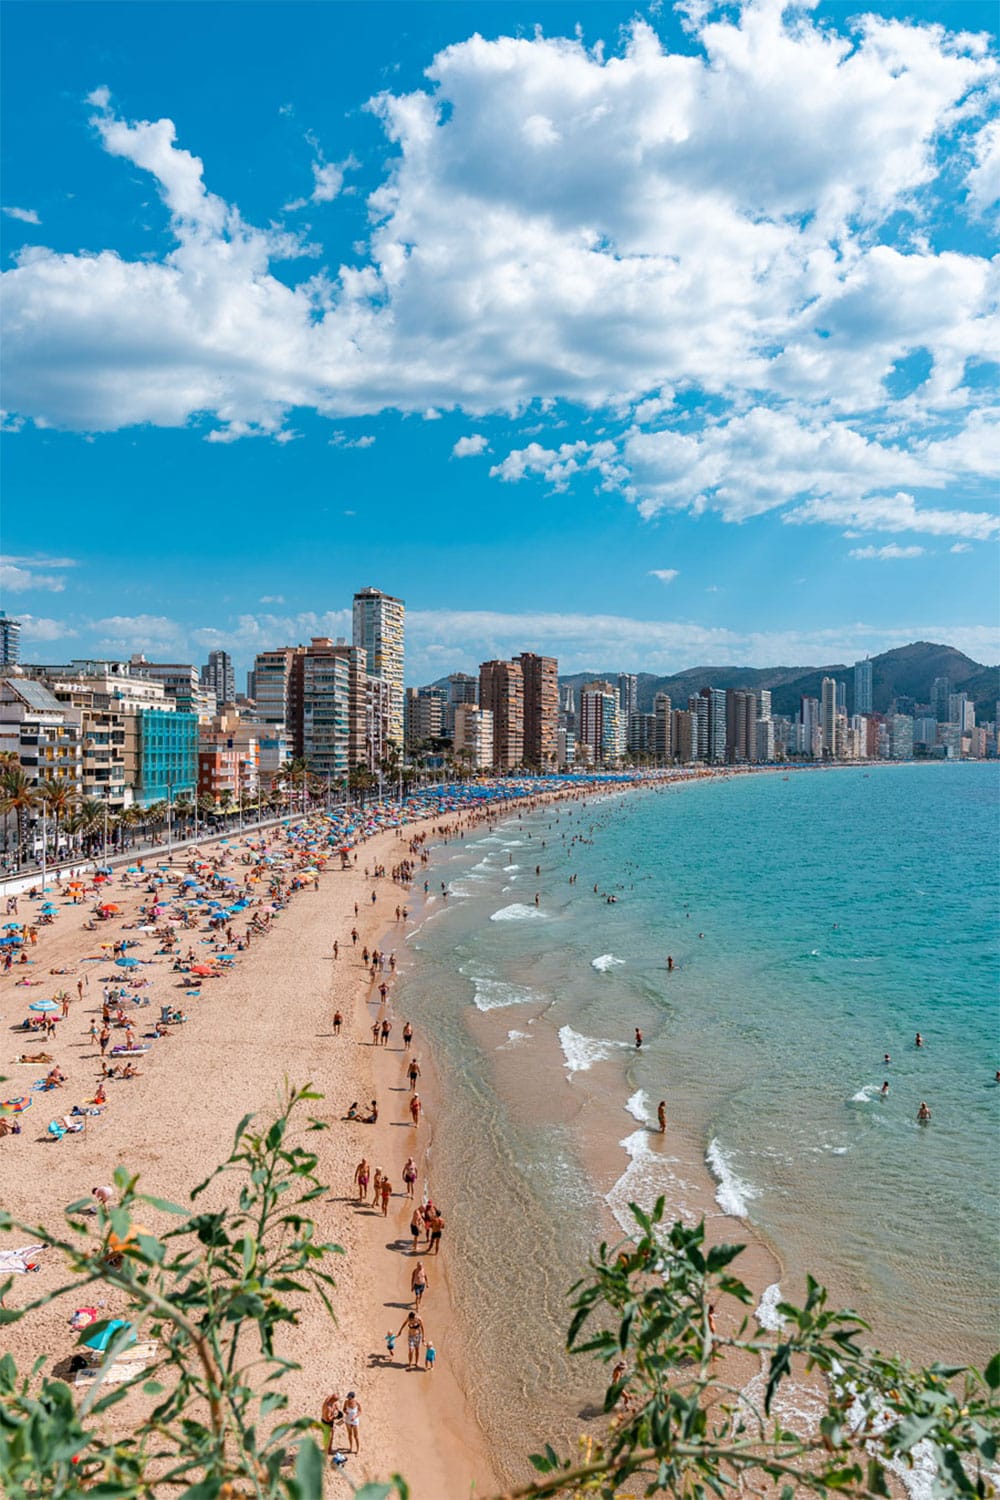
(918, 1040)
(923, 1113)
(885, 1087)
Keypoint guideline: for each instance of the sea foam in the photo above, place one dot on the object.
(604, 962)
(581, 1052)
(517, 912)
(767, 1308)
(495, 994)
(647, 1177)
(733, 1195)
(638, 1107)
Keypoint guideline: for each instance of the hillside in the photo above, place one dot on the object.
(908, 672)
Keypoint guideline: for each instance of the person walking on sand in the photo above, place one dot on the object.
(661, 1115)
(385, 1192)
(434, 1228)
(336, 948)
(407, 1036)
(338, 1021)
(415, 1108)
(409, 1176)
(361, 1176)
(416, 1227)
(352, 1416)
(413, 1072)
(414, 1338)
(418, 1282)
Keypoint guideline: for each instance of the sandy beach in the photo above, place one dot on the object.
(267, 1020)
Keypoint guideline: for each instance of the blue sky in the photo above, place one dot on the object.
(646, 337)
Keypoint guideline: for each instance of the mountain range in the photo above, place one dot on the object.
(906, 672)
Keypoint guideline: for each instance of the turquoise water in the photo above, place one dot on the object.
(816, 922)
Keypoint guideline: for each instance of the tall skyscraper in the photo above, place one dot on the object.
(219, 678)
(663, 732)
(272, 680)
(628, 695)
(741, 726)
(379, 630)
(939, 698)
(600, 722)
(863, 686)
(698, 707)
(828, 717)
(501, 691)
(715, 749)
(10, 640)
(541, 709)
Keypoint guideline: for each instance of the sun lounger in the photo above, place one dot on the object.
(57, 1129)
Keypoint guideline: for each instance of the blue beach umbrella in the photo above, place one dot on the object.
(126, 963)
(100, 1340)
(49, 907)
(12, 926)
(43, 1005)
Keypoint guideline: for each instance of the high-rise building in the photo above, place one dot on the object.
(863, 686)
(473, 740)
(698, 706)
(628, 695)
(600, 725)
(715, 729)
(684, 734)
(424, 715)
(663, 729)
(741, 726)
(380, 630)
(640, 737)
(272, 675)
(180, 682)
(501, 690)
(901, 737)
(764, 704)
(540, 675)
(219, 678)
(828, 717)
(322, 734)
(939, 698)
(10, 640)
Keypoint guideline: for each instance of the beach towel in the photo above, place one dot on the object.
(18, 1262)
(132, 1363)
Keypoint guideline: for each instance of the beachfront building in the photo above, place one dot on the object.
(168, 755)
(628, 695)
(423, 715)
(461, 687)
(600, 728)
(863, 686)
(320, 706)
(663, 733)
(640, 737)
(379, 626)
(766, 744)
(828, 717)
(229, 761)
(714, 726)
(219, 679)
(501, 690)
(473, 739)
(44, 734)
(272, 673)
(684, 736)
(109, 738)
(940, 693)
(540, 675)
(181, 681)
(10, 640)
(900, 737)
(741, 727)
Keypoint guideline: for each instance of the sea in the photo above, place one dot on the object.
(816, 921)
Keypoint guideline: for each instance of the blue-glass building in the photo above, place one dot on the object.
(168, 755)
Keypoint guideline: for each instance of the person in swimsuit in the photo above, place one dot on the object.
(415, 1107)
(414, 1338)
(409, 1175)
(331, 1414)
(413, 1073)
(638, 1039)
(434, 1228)
(352, 1415)
(338, 1021)
(416, 1227)
(385, 1193)
(918, 1040)
(418, 1282)
(923, 1113)
(407, 1035)
(361, 1176)
(661, 1115)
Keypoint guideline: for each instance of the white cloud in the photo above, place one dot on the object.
(665, 575)
(735, 220)
(38, 628)
(470, 447)
(889, 553)
(22, 580)
(25, 215)
(960, 547)
(898, 512)
(983, 181)
(341, 440)
(128, 633)
(272, 599)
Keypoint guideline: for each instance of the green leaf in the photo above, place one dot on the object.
(165, 1206)
(373, 1492)
(309, 1471)
(992, 1372)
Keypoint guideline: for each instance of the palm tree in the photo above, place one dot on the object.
(59, 799)
(92, 815)
(19, 796)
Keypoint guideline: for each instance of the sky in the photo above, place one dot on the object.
(645, 337)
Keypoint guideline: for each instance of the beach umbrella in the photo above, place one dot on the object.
(201, 969)
(110, 906)
(12, 926)
(126, 963)
(104, 870)
(49, 907)
(43, 1005)
(100, 1340)
(18, 1105)
(100, 879)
